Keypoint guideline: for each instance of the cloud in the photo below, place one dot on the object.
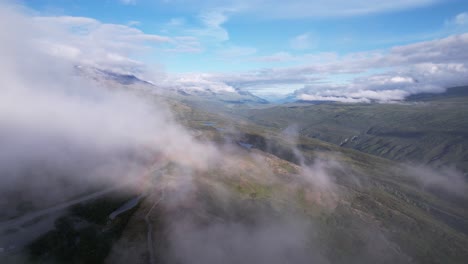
(303, 42)
(212, 29)
(265, 241)
(61, 133)
(133, 23)
(384, 76)
(175, 22)
(446, 179)
(196, 82)
(446, 50)
(263, 77)
(88, 41)
(360, 96)
(429, 66)
(392, 86)
(206, 34)
(459, 20)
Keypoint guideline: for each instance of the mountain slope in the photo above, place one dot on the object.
(193, 93)
(432, 131)
(373, 211)
(276, 196)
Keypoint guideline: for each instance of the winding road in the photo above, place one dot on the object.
(149, 234)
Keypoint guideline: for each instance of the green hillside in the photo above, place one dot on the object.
(275, 186)
(374, 211)
(429, 129)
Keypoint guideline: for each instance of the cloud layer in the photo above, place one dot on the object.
(383, 76)
(88, 41)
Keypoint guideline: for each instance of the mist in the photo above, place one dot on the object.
(62, 134)
(448, 180)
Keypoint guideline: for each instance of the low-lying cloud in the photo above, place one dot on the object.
(59, 130)
(449, 180)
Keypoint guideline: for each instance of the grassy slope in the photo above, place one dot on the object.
(433, 132)
(376, 197)
(418, 224)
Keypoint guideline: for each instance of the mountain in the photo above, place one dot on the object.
(113, 79)
(451, 94)
(100, 75)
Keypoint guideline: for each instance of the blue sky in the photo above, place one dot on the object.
(252, 34)
(229, 41)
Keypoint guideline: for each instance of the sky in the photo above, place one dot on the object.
(349, 50)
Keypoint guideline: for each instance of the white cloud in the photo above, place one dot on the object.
(198, 82)
(176, 22)
(303, 42)
(350, 95)
(459, 20)
(109, 46)
(88, 41)
(430, 66)
(343, 99)
(60, 130)
(391, 86)
(133, 23)
(212, 29)
(447, 179)
(264, 77)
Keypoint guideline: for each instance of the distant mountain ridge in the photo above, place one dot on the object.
(110, 78)
(100, 74)
(427, 128)
(459, 92)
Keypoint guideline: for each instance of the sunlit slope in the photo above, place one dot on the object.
(370, 211)
(277, 196)
(365, 214)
